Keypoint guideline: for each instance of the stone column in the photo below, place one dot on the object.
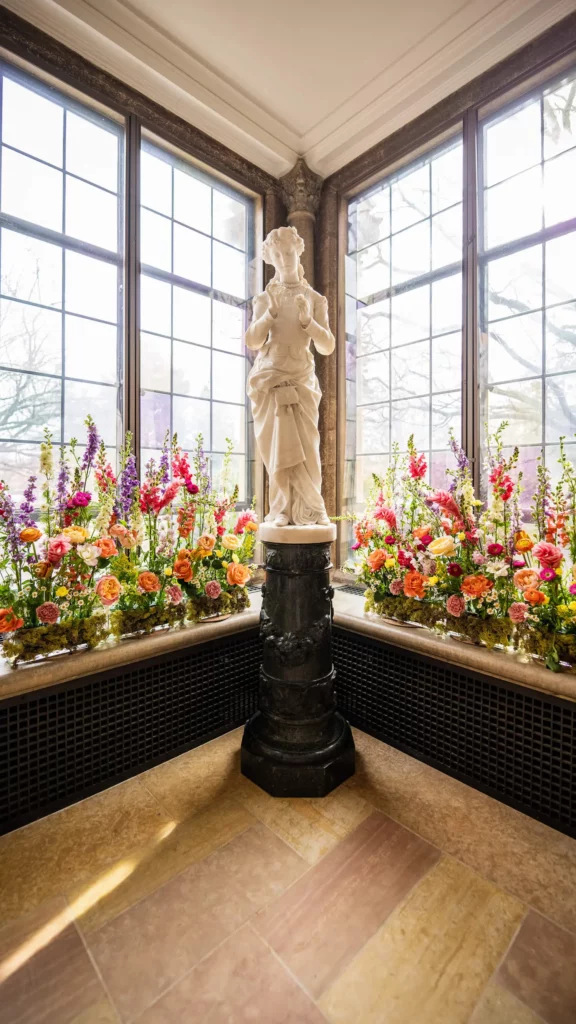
(300, 189)
(297, 744)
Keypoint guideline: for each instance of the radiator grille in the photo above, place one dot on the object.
(61, 744)
(517, 744)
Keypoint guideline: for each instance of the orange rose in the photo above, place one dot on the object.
(149, 582)
(43, 570)
(237, 574)
(30, 534)
(107, 547)
(475, 586)
(522, 541)
(183, 566)
(9, 621)
(206, 544)
(534, 597)
(108, 590)
(414, 584)
(376, 559)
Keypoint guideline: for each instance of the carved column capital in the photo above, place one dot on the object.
(300, 189)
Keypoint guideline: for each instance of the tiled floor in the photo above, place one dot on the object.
(188, 895)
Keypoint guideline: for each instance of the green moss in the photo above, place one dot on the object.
(406, 609)
(124, 622)
(38, 641)
(489, 632)
(228, 603)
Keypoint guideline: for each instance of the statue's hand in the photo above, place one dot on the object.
(304, 311)
(273, 306)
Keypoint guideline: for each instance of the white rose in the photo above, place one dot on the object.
(89, 553)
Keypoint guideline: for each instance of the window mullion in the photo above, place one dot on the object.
(131, 391)
(470, 351)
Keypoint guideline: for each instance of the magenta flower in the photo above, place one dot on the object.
(518, 611)
(455, 605)
(213, 589)
(389, 538)
(518, 563)
(572, 588)
(547, 574)
(356, 546)
(396, 587)
(426, 539)
(80, 500)
(48, 613)
(495, 549)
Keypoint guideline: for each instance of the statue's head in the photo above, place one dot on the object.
(282, 248)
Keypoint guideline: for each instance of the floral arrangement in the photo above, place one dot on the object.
(115, 555)
(448, 561)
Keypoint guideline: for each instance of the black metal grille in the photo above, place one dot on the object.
(514, 743)
(59, 745)
(352, 588)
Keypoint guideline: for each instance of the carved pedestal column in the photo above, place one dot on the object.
(297, 744)
(300, 189)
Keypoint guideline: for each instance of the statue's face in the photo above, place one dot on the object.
(285, 258)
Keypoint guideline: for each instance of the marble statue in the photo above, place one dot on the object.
(282, 384)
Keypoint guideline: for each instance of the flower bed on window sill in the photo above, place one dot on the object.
(40, 641)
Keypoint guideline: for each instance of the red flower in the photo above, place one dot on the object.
(446, 502)
(405, 560)
(417, 466)
(502, 484)
(453, 569)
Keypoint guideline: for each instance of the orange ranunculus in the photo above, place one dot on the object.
(149, 582)
(9, 621)
(30, 534)
(43, 570)
(475, 586)
(376, 559)
(108, 590)
(237, 574)
(75, 534)
(526, 579)
(107, 547)
(414, 584)
(534, 596)
(183, 566)
(522, 541)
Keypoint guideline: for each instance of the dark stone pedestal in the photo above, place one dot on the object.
(297, 744)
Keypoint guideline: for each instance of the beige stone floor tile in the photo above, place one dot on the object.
(540, 969)
(528, 859)
(62, 851)
(189, 783)
(174, 849)
(498, 1006)
(432, 958)
(312, 827)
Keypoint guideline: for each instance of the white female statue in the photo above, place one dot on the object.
(282, 384)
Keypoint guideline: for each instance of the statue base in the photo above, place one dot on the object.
(297, 744)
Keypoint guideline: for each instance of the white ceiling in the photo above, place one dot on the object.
(324, 79)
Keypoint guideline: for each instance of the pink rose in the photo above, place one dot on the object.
(213, 589)
(174, 594)
(57, 548)
(547, 554)
(478, 558)
(518, 611)
(396, 587)
(455, 605)
(48, 613)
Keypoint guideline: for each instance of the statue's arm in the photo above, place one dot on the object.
(319, 328)
(262, 320)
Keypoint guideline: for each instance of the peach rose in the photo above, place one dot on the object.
(183, 566)
(522, 541)
(414, 584)
(75, 534)
(442, 546)
(548, 554)
(206, 544)
(30, 534)
(149, 582)
(475, 586)
(525, 579)
(108, 590)
(107, 547)
(9, 621)
(43, 570)
(534, 597)
(376, 559)
(237, 574)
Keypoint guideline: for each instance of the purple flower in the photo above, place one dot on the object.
(91, 445)
(62, 483)
(164, 465)
(128, 484)
(27, 506)
(11, 526)
(547, 574)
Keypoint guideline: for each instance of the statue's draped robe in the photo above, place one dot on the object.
(285, 397)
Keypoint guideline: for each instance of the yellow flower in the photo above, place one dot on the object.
(168, 570)
(559, 572)
(461, 536)
(546, 599)
(75, 534)
(225, 564)
(390, 563)
(442, 546)
(230, 541)
(251, 527)
(432, 581)
(563, 609)
(235, 559)
(572, 606)
(61, 591)
(219, 553)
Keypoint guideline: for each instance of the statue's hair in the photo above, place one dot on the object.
(278, 236)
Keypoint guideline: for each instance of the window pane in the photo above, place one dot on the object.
(514, 283)
(373, 378)
(373, 429)
(515, 348)
(91, 151)
(18, 462)
(410, 317)
(155, 302)
(31, 190)
(559, 193)
(236, 475)
(372, 219)
(446, 416)
(561, 338)
(154, 418)
(91, 287)
(192, 201)
(191, 255)
(155, 356)
(447, 362)
(519, 404)
(447, 238)
(100, 401)
(560, 256)
(28, 404)
(84, 338)
(410, 370)
(227, 327)
(514, 208)
(228, 421)
(155, 240)
(447, 179)
(560, 406)
(447, 304)
(411, 198)
(513, 143)
(191, 370)
(411, 416)
(411, 253)
(229, 220)
(31, 269)
(229, 270)
(373, 269)
(191, 316)
(91, 214)
(229, 380)
(155, 183)
(373, 327)
(30, 337)
(31, 122)
(559, 119)
(191, 416)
